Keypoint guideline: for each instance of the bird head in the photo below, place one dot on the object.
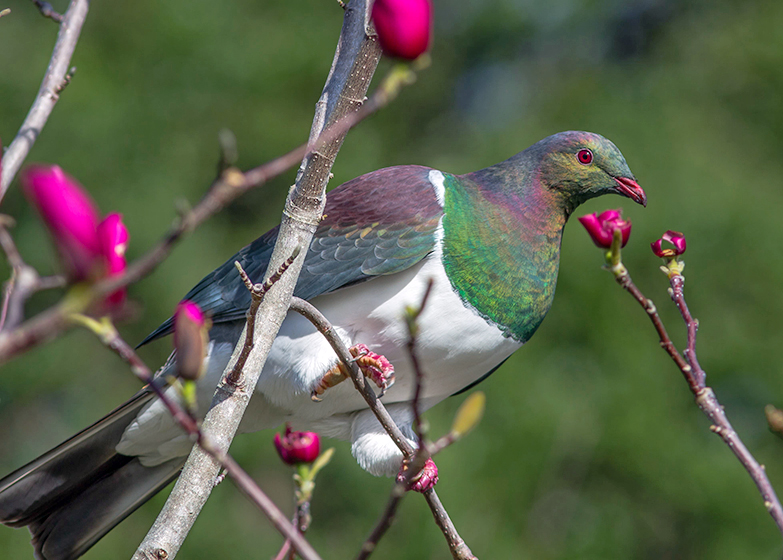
(583, 165)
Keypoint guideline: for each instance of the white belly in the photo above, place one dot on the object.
(456, 346)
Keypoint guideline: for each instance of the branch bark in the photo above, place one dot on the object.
(696, 378)
(48, 94)
(230, 184)
(459, 550)
(355, 61)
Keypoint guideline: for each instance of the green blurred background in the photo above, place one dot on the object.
(591, 446)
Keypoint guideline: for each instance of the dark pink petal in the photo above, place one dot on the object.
(282, 450)
(70, 215)
(114, 237)
(675, 238)
(656, 248)
(601, 227)
(190, 340)
(404, 27)
(297, 447)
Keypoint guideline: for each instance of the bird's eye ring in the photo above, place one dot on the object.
(584, 156)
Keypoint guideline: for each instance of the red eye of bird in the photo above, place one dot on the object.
(584, 156)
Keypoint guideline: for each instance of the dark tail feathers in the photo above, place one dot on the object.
(77, 492)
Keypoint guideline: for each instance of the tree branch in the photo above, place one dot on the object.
(230, 184)
(354, 64)
(457, 546)
(696, 379)
(112, 339)
(48, 11)
(48, 94)
(24, 280)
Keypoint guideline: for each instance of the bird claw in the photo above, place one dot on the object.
(425, 480)
(374, 366)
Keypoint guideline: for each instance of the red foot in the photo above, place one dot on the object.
(426, 479)
(374, 366)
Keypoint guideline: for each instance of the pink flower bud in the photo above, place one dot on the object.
(601, 227)
(404, 26)
(297, 447)
(114, 238)
(676, 239)
(71, 216)
(190, 340)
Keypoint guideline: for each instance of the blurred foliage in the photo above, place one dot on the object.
(591, 446)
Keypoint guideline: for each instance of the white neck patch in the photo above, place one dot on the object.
(436, 180)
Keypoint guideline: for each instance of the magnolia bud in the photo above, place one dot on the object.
(114, 237)
(601, 227)
(675, 238)
(297, 447)
(190, 340)
(70, 215)
(404, 27)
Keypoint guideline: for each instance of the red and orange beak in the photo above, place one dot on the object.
(630, 188)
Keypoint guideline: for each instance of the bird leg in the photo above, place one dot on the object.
(426, 479)
(373, 365)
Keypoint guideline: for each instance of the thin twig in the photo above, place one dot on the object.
(413, 331)
(228, 186)
(456, 544)
(624, 279)
(257, 292)
(355, 60)
(47, 96)
(708, 403)
(696, 379)
(677, 285)
(284, 550)
(459, 550)
(112, 339)
(384, 522)
(399, 490)
(321, 323)
(48, 11)
(24, 280)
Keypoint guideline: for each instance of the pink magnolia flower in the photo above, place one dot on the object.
(297, 447)
(404, 26)
(675, 238)
(190, 339)
(114, 237)
(70, 215)
(601, 227)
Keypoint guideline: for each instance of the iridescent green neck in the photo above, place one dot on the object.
(501, 246)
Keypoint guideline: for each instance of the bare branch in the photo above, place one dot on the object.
(709, 405)
(48, 94)
(355, 61)
(413, 331)
(459, 550)
(257, 292)
(312, 314)
(24, 280)
(47, 11)
(416, 457)
(112, 339)
(696, 379)
(229, 185)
